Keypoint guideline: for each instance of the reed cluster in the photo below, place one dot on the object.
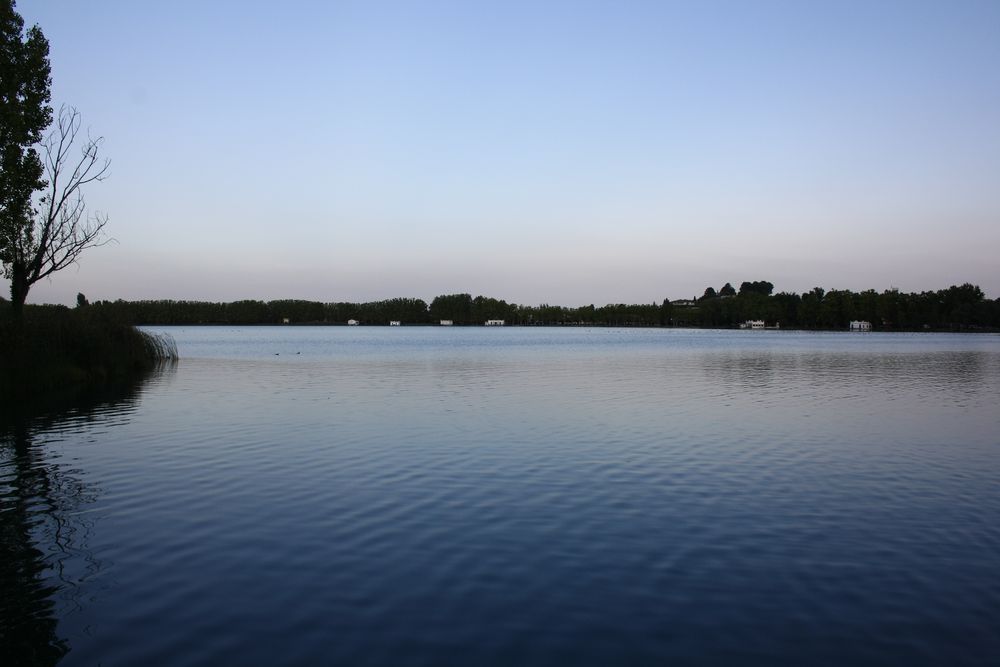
(52, 348)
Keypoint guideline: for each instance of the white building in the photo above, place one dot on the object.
(447, 323)
(352, 323)
(861, 325)
(752, 324)
(395, 323)
(494, 323)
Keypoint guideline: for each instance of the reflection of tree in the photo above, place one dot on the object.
(27, 618)
(754, 372)
(41, 529)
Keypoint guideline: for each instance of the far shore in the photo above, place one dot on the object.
(576, 325)
(753, 305)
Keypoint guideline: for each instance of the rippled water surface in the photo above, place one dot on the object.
(432, 496)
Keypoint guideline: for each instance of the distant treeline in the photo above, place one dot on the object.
(958, 307)
(961, 307)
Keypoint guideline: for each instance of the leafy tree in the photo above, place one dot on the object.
(867, 306)
(24, 114)
(960, 303)
(891, 309)
(786, 308)
(709, 293)
(455, 307)
(727, 290)
(487, 308)
(666, 313)
(809, 307)
(296, 310)
(757, 287)
(81, 300)
(837, 309)
(242, 312)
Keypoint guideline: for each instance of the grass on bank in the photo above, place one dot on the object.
(54, 348)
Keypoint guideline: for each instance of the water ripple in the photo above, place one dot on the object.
(571, 496)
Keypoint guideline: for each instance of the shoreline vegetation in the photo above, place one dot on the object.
(958, 308)
(59, 352)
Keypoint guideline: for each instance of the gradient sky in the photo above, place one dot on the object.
(557, 152)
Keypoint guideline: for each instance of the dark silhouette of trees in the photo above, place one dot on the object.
(959, 303)
(54, 233)
(454, 307)
(727, 290)
(44, 225)
(24, 114)
(666, 313)
(956, 308)
(809, 309)
(487, 308)
(295, 310)
(757, 287)
(837, 309)
(785, 308)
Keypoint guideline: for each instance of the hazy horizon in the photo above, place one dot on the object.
(570, 153)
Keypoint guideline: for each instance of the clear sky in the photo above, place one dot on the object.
(539, 152)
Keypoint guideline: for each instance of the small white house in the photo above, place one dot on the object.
(447, 323)
(494, 323)
(395, 323)
(352, 323)
(285, 320)
(752, 324)
(861, 325)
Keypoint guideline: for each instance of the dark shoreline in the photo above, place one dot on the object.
(61, 352)
(958, 308)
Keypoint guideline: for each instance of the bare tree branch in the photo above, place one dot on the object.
(61, 228)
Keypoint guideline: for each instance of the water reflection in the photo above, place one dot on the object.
(44, 528)
(519, 497)
(765, 366)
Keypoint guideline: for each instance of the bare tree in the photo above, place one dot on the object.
(58, 228)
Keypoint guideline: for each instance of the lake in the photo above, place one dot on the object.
(514, 496)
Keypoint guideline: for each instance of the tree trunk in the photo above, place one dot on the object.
(19, 287)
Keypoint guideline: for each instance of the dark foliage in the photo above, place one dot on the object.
(956, 308)
(53, 348)
(24, 114)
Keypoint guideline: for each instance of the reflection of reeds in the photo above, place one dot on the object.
(47, 566)
(51, 348)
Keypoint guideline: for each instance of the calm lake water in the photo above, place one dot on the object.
(435, 496)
